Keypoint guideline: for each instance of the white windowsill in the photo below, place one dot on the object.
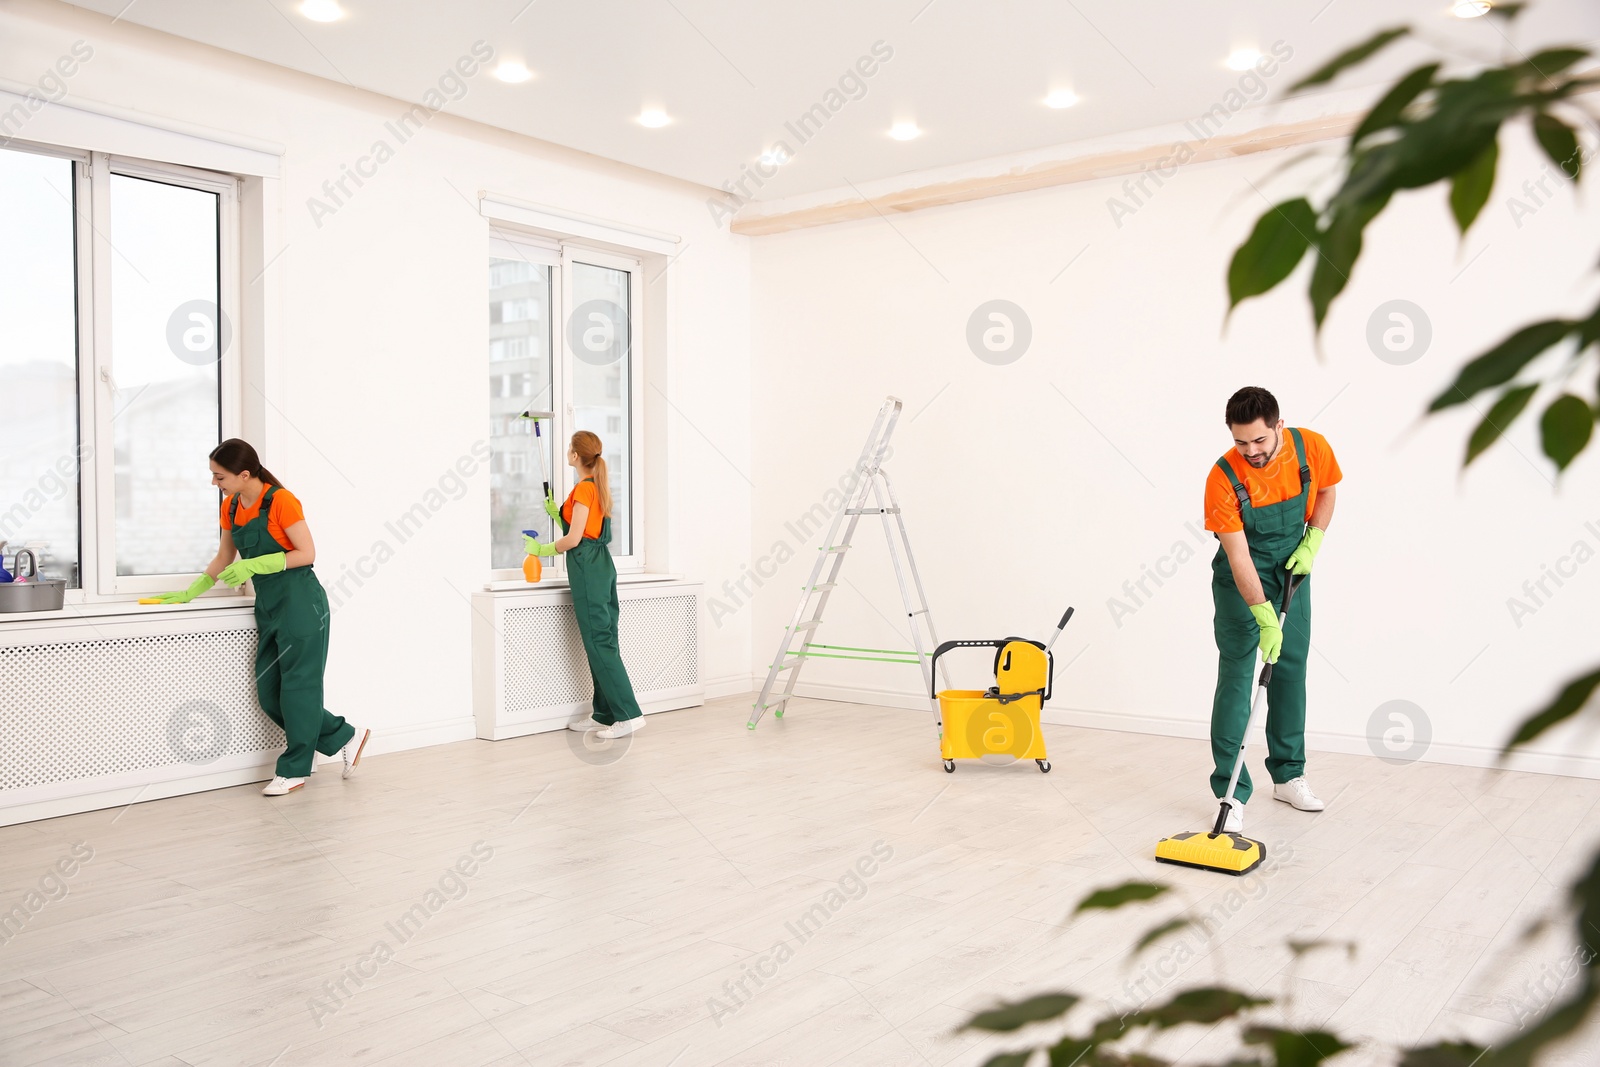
(107, 609)
(559, 581)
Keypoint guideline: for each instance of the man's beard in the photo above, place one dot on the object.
(1261, 461)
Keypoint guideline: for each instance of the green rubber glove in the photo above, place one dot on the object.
(1271, 634)
(535, 548)
(551, 508)
(240, 570)
(196, 587)
(1300, 559)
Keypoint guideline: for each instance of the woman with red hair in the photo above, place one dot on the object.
(586, 524)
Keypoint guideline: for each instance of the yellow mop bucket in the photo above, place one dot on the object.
(1002, 722)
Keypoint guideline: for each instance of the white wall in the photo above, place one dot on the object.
(377, 344)
(1054, 480)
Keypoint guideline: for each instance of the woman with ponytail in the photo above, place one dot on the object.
(263, 524)
(586, 522)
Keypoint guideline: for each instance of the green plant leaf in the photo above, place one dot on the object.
(1010, 1059)
(1565, 428)
(1465, 119)
(1350, 57)
(1338, 248)
(1498, 365)
(1559, 142)
(1506, 11)
(1502, 415)
(1550, 62)
(1300, 948)
(1444, 1054)
(1567, 703)
(1155, 934)
(1016, 1015)
(1386, 112)
(1118, 895)
(1296, 1048)
(1470, 188)
(1070, 1052)
(1207, 1004)
(1589, 329)
(1279, 240)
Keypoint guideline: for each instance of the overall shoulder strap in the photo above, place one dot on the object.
(1238, 487)
(1300, 454)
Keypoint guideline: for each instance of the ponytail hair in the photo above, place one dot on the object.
(236, 457)
(589, 450)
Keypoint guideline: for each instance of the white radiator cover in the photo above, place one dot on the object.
(529, 672)
(102, 712)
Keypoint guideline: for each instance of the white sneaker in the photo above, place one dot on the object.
(583, 726)
(281, 785)
(1234, 824)
(1297, 791)
(352, 750)
(621, 728)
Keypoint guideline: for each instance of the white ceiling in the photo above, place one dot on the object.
(971, 73)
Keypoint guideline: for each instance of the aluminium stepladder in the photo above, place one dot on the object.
(871, 480)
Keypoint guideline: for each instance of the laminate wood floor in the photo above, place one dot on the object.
(815, 892)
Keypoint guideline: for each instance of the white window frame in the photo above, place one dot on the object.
(572, 253)
(229, 376)
(509, 243)
(97, 569)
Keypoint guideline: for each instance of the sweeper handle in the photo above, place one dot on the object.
(1261, 691)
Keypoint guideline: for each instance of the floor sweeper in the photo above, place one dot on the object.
(1217, 850)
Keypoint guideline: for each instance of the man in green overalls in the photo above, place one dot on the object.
(1268, 501)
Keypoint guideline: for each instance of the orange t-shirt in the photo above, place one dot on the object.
(285, 512)
(1278, 481)
(587, 494)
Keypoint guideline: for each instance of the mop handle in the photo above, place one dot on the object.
(544, 468)
(1062, 625)
(538, 446)
(1255, 705)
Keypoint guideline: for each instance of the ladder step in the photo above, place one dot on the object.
(872, 511)
(809, 624)
(819, 588)
(788, 664)
(834, 548)
(775, 703)
(919, 611)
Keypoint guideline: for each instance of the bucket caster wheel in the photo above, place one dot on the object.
(778, 714)
(1044, 765)
(949, 766)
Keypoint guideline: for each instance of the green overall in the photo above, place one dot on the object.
(291, 648)
(593, 578)
(1273, 532)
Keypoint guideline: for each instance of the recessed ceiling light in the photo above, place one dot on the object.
(1471, 9)
(653, 117)
(512, 72)
(904, 131)
(1059, 98)
(322, 10)
(775, 157)
(1243, 59)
